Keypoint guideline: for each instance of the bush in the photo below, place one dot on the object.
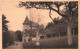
(41, 37)
(7, 38)
(19, 35)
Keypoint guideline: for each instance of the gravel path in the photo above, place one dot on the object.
(17, 45)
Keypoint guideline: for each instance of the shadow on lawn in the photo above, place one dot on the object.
(53, 43)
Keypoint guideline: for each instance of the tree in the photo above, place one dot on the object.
(50, 24)
(19, 35)
(70, 8)
(4, 22)
(13, 36)
(57, 27)
(75, 23)
(5, 33)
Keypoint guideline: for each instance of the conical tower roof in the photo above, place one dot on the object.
(26, 21)
(29, 23)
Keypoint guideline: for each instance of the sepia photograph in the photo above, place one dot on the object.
(39, 24)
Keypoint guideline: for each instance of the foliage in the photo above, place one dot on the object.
(72, 6)
(60, 26)
(6, 39)
(69, 10)
(19, 35)
(13, 35)
(7, 36)
(4, 22)
(41, 29)
(50, 24)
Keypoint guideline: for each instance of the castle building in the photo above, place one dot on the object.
(29, 28)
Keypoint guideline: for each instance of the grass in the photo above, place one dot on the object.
(53, 43)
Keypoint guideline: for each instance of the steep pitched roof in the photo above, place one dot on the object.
(26, 21)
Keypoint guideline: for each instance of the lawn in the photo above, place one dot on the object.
(54, 43)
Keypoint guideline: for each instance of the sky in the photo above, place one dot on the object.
(16, 15)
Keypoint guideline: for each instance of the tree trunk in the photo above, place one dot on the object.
(37, 38)
(69, 35)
